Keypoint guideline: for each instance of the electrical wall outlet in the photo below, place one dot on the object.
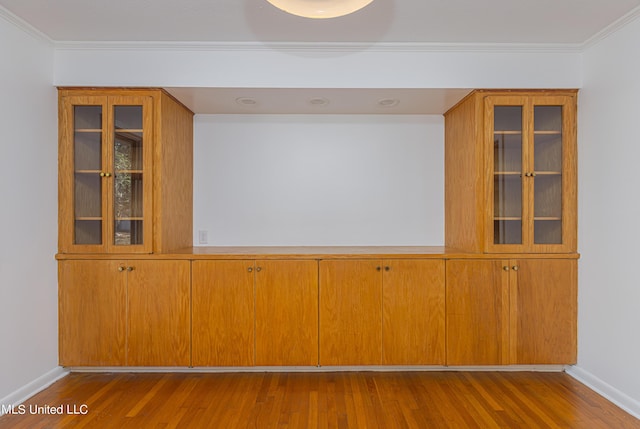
(203, 236)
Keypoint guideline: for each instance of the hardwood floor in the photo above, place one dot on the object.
(320, 400)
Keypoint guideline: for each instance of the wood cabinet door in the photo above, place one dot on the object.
(530, 156)
(223, 313)
(477, 302)
(543, 311)
(159, 323)
(92, 313)
(413, 328)
(350, 312)
(286, 312)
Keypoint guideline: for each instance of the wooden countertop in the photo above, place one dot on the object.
(318, 252)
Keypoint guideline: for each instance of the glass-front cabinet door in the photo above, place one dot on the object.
(105, 167)
(531, 160)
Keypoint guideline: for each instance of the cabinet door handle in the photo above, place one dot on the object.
(130, 269)
(378, 268)
(121, 268)
(107, 174)
(387, 268)
(515, 268)
(101, 174)
(506, 268)
(250, 269)
(258, 269)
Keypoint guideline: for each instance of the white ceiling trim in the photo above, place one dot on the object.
(25, 26)
(313, 47)
(612, 28)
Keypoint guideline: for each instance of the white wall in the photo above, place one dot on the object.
(266, 66)
(28, 218)
(319, 179)
(609, 214)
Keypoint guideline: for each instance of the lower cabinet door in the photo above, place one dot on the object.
(223, 313)
(544, 311)
(92, 313)
(350, 312)
(477, 312)
(159, 313)
(286, 312)
(413, 326)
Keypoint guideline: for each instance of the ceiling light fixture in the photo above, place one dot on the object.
(320, 9)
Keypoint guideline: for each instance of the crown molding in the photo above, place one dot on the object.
(612, 28)
(8, 16)
(323, 47)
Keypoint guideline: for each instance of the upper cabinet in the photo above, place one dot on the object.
(511, 172)
(118, 150)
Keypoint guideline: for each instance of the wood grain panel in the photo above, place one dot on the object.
(92, 313)
(350, 312)
(223, 313)
(286, 312)
(413, 330)
(544, 312)
(463, 157)
(173, 175)
(477, 312)
(159, 324)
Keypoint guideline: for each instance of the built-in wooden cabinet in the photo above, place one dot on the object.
(501, 292)
(388, 312)
(125, 171)
(510, 172)
(512, 311)
(255, 312)
(124, 312)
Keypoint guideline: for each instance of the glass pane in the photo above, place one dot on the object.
(548, 175)
(128, 180)
(88, 232)
(128, 117)
(87, 152)
(128, 151)
(128, 232)
(87, 118)
(128, 208)
(507, 162)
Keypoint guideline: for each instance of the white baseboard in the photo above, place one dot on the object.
(19, 396)
(377, 368)
(604, 389)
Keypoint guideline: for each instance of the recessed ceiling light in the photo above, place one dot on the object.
(318, 101)
(246, 101)
(388, 102)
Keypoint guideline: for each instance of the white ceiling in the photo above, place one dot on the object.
(460, 22)
(430, 21)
